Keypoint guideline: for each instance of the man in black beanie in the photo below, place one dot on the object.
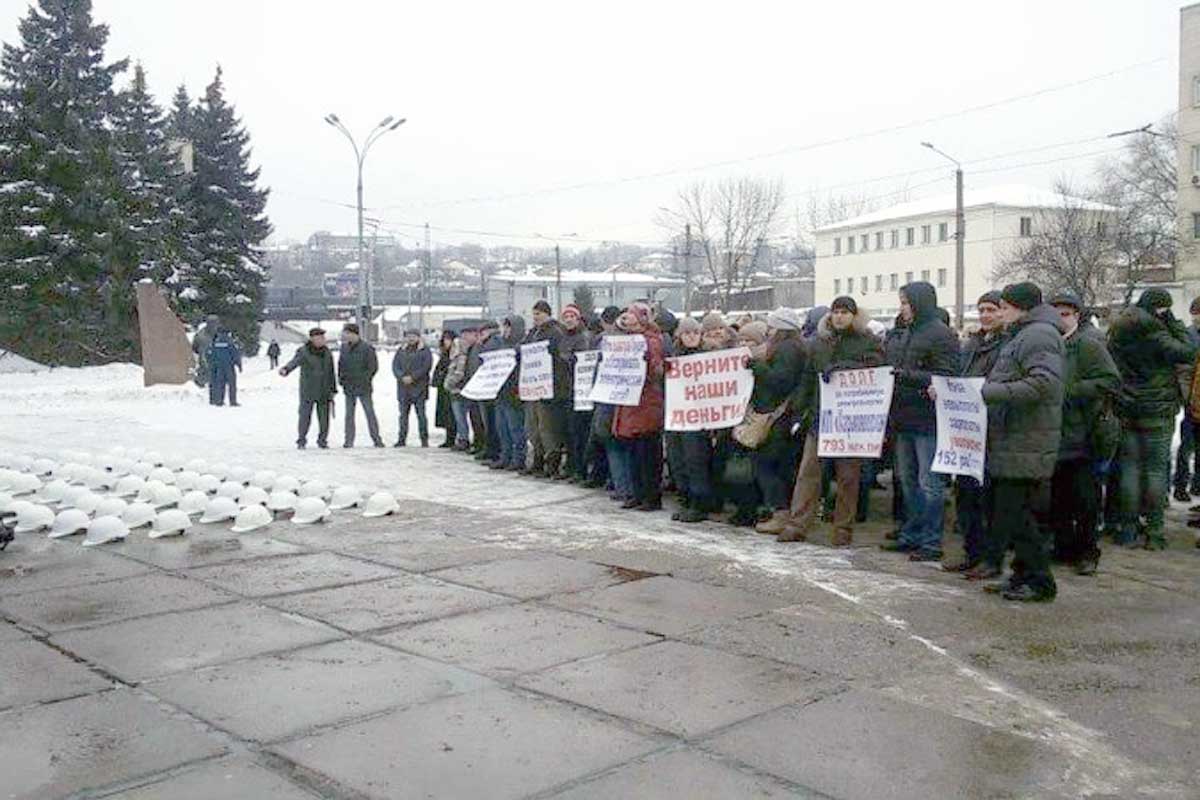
(1024, 393)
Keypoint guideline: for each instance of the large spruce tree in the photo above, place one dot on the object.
(225, 209)
(62, 233)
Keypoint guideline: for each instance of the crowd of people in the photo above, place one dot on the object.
(1080, 423)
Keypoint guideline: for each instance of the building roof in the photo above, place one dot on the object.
(576, 277)
(1007, 196)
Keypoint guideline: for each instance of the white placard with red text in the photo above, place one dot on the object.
(708, 391)
(854, 412)
(536, 381)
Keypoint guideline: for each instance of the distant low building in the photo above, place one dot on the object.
(513, 292)
(393, 321)
(765, 292)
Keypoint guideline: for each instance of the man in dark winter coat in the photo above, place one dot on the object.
(550, 416)
(1090, 378)
(318, 385)
(200, 344)
(224, 362)
(575, 339)
(927, 347)
(508, 411)
(357, 365)
(411, 366)
(273, 353)
(1147, 343)
(1187, 460)
(1024, 396)
(972, 511)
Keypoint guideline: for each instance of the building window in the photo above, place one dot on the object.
(866, 238)
(879, 283)
(926, 234)
(1195, 226)
(893, 281)
(910, 237)
(849, 285)
(925, 275)
(1196, 159)
(850, 244)
(943, 231)
(1196, 90)
(941, 278)
(895, 238)
(866, 284)
(837, 286)
(879, 240)
(1026, 227)
(908, 277)
(837, 245)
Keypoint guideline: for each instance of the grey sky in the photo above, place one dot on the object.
(517, 97)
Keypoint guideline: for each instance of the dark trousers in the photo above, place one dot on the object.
(368, 405)
(552, 429)
(220, 379)
(510, 420)
(446, 414)
(475, 413)
(306, 409)
(1187, 459)
(1018, 508)
(491, 430)
(1075, 511)
(579, 430)
(646, 462)
(694, 471)
(597, 460)
(775, 466)
(973, 515)
(274, 362)
(417, 403)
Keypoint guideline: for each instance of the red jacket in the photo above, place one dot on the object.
(630, 422)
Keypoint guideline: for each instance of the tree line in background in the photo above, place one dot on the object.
(95, 196)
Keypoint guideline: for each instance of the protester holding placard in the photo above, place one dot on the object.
(640, 426)
(691, 452)
(842, 342)
(778, 365)
(576, 339)
(456, 379)
(489, 341)
(1024, 395)
(509, 413)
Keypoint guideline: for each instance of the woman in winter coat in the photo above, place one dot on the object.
(692, 453)
(640, 427)
(443, 416)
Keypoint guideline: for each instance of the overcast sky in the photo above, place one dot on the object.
(507, 102)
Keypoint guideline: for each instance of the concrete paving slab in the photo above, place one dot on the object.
(864, 745)
(346, 528)
(496, 744)
(153, 646)
(277, 696)
(680, 775)
(10, 632)
(426, 553)
(533, 576)
(199, 549)
(236, 778)
(680, 688)
(264, 577)
(90, 742)
(41, 563)
(386, 604)
(70, 607)
(33, 672)
(508, 640)
(667, 605)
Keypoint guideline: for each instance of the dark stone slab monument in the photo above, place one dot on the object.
(166, 351)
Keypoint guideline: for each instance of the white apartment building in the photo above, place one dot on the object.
(871, 256)
(1188, 154)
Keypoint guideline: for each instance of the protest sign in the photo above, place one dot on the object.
(961, 426)
(494, 369)
(536, 381)
(585, 376)
(622, 371)
(854, 412)
(708, 391)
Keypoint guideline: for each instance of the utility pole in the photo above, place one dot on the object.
(425, 274)
(687, 269)
(960, 243)
(557, 279)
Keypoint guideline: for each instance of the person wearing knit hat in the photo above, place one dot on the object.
(844, 303)
(784, 319)
(688, 325)
(690, 453)
(570, 310)
(1023, 296)
(549, 416)
(576, 338)
(712, 321)
(639, 427)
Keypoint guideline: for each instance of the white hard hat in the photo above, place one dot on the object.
(72, 494)
(103, 530)
(86, 502)
(142, 469)
(381, 504)
(198, 465)
(33, 518)
(129, 486)
(24, 483)
(208, 483)
(43, 466)
(99, 479)
(310, 510)
(68, 523)
(173, 463)
(110, 507)
(314, 488)
(86, 459)
(252, 496)
(345, 497)
(20, 463)
(241, 475)
(120, 466)
(117, 451)
(163, 474)
(264, 479)
(186, 480)
(286, 483)
(172, 522)
(148, 490)
(6, 478)
(153, 457)
(135, 453)
(53, 491)
(15, 506)
(282, 501)
(193, 502)
(252, 518)
(219, 509)
(166, 496)
(230, 489)
(6, 501)
(220, 470)
(138, 514)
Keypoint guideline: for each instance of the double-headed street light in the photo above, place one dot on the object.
(388, 124)
(960, 234)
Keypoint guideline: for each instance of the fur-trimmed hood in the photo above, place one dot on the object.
(862, 321)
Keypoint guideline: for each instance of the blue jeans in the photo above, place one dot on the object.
(620, 467)
(462, 429)
(510, 422)
(1145, 459)
(923, 491)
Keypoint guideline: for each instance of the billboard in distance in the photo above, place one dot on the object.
(340, 286)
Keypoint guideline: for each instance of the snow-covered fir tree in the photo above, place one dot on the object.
(61, 222)
(225, 209)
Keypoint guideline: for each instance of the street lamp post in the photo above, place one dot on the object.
(389, 123)
(960, 235)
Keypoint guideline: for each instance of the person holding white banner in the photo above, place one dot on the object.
(508, 411)
(550, 414)
(640, 427)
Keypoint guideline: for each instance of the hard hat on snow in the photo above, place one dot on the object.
(264, 479)
(162, 474)
(138, 514)
(153, 457)
(103, 530)
(148, 490)
(53, 491)
(286, 483)
(193, 502)
(219, 469)
(99, 480)
(282, 501)
(43, 466)
(24, 483)
(86, 502)
(120, 467)
(129, 486)
(230, 489)
(253, 496)
(197, 465)
(186, 480)
(219, 509)
(68, 523)
(172, 522)
(208, 483)
(310, 510)
(345, 497)
(142, 469)
(241, 475)
(381, 504)
(166, 496)
(314, 488)
(33, 518)
(252, 518)
(110, 507)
